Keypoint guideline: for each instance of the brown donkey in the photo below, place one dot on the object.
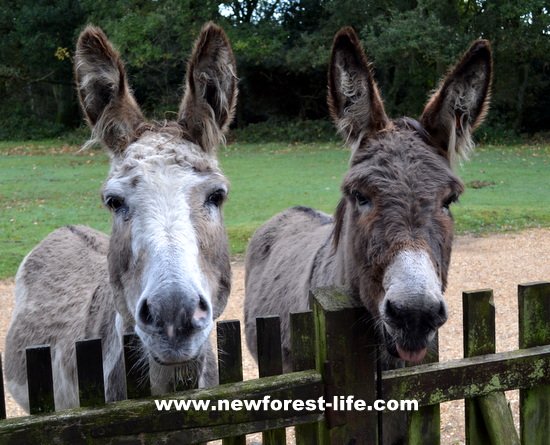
(165, 271)
(389, 243)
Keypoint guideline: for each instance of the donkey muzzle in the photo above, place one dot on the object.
(413, 307)
(173, 325)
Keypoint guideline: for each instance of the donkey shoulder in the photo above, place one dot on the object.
(291, 222)
(68, 253)
(54, 288)
(279, 262)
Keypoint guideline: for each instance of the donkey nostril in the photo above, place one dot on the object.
(144, 314)
(200, 315)
(442, 313)
(391, 310)
(203, 305)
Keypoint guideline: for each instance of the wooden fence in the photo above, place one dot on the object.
(334, 353)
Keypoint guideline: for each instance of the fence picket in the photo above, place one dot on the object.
(489, 418)
(425, 424)
(302, 337)
(270, 363)
(479, 338)
(89, 364)
(534, 330)
(346, 357)
(40, 379)
(137, 372)
(230, 363)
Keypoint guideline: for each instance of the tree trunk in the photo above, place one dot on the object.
(66, 111)
(522, 87)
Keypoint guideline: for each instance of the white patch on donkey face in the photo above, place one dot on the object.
(412, 273)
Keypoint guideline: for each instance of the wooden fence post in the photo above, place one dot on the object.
(302, 336)
(346, 358)
(137, 372)
(488, 418)
(425, 424)
(230, 362)
(534, 330)
(89, 364)
(270, 362)
(40, 379)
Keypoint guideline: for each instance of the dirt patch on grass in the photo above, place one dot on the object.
(499, 262)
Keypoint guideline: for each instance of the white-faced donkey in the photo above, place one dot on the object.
(165, 271)
(389, 243)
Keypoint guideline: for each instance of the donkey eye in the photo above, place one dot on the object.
(360, 199)
(448, 201)
(115, 203)
(216, 198)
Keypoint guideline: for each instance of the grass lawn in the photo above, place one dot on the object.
(44, 185)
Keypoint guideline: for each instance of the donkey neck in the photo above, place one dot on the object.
(345, 268)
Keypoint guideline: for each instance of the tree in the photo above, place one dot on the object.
(282, 49)
(35, 62)
(520, 33)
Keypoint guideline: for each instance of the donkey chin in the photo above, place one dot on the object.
(413, 307)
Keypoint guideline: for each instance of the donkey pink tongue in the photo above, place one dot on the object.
(411, 356)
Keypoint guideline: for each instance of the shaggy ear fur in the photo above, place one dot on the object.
(208, 105)
(110, 108)
(353, 97)
(460, 103)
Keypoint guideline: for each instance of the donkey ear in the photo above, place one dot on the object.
(460, 103)
(208, 105)
(354, 101)
(110, 108)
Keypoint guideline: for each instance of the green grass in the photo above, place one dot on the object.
(515, 193)
(45, 184)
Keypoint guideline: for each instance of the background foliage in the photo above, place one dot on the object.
(282, 49)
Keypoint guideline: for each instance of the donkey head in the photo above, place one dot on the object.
(394, 229)
(168, 257)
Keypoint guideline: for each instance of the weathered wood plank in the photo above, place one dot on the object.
(346, 357)
(230, 358)
(89, 364)
(302, 340)
(534, 330)
(488, 418)
(133, 419)
(469, 377)
(40, 379)
(478, 338)
(2, 395)
(270, 357)
(498, 420)
(270, 362)
(425, 424)
(230, 361)
(137, 370)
